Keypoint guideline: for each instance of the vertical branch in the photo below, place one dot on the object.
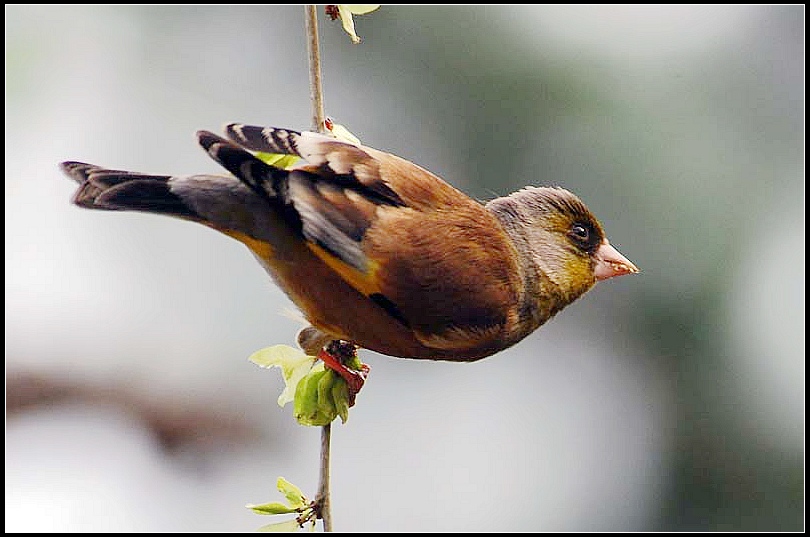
(322, 500)
(318, 117)
(314, 49)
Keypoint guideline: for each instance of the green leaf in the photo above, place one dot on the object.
(283, 527)
(291, 492)
(340, 396)
(322, 396)
(309, 408)
(272, 508)
(319, 395)
(282, 356)
(326, 403)
(294, 365)
(306, 395)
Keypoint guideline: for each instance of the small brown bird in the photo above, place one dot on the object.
(376, 250)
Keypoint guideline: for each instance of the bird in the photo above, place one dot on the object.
(375, 250)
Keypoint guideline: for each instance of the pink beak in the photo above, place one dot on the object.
(610, 263)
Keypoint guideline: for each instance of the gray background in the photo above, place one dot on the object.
(671, 400)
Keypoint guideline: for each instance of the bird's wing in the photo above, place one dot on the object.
(433, 258)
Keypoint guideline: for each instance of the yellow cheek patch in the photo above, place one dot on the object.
(578, 274)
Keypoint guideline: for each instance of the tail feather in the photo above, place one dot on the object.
(117, 190)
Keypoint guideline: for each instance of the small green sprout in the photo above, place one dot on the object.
(306, 511)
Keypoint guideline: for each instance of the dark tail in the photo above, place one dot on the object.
(117, 190)
(207, 198)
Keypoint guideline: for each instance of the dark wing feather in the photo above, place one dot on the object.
(333, 211)
(338, 162)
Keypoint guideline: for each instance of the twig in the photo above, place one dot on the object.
(322, 499)
(315, 87)
(316, 96)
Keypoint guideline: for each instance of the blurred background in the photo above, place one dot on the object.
(671, 400)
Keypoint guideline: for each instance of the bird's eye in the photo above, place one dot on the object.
(580, 232)
(584, 236)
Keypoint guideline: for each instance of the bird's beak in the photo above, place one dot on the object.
(610, 263)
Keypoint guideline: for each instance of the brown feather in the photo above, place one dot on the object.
(377, 250)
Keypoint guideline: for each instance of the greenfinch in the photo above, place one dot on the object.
(375, 250)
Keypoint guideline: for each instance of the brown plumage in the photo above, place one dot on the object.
(376, 250)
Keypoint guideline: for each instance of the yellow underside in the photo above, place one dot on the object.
(364, 282)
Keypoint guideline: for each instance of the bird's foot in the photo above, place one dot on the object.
(335, 355)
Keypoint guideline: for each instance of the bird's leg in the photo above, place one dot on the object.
(335, 355)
